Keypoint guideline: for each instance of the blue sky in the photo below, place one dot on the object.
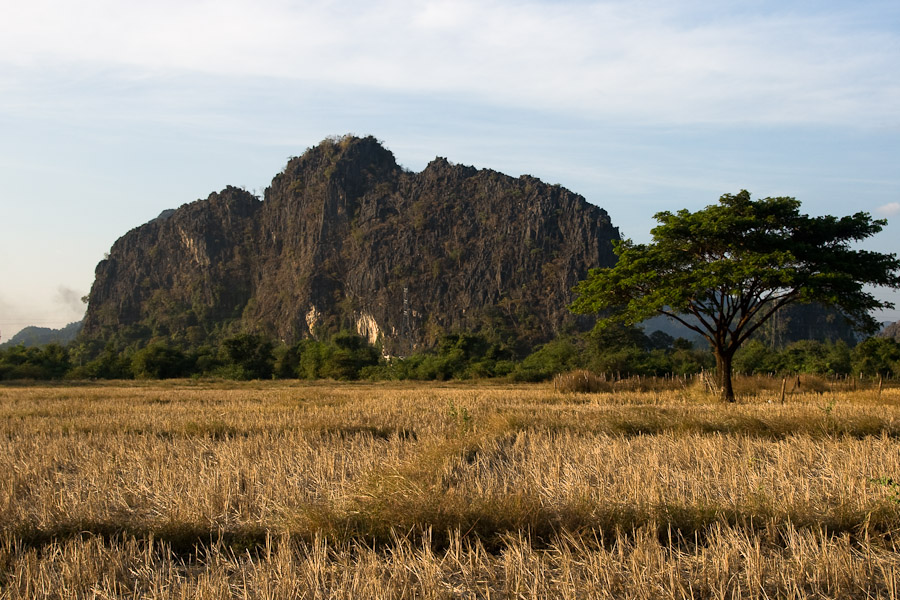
(112, 111)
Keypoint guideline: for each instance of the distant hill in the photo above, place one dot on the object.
(39, 336)
(347, 239)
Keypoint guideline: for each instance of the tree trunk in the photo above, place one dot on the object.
(723, 374)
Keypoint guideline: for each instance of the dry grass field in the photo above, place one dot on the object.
(285, 490)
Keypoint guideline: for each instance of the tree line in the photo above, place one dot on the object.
(617, 351)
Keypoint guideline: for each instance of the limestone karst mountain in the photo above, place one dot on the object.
(347, 239)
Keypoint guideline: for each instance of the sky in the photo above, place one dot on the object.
(112, 111)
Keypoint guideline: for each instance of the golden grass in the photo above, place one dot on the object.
(280, 490)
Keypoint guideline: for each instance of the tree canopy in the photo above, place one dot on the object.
(722, 271)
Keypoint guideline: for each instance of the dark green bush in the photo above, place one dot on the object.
(247, 356)
(160, 361)
(34, 362)
(549, 359)
(876, 356)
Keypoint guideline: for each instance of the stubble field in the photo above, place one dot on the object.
(288, 490)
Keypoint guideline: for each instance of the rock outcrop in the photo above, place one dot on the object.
(347, 239)
(891, 331)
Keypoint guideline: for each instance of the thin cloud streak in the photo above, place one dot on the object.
(637, 61)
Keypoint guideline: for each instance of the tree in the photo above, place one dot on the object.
(249, 356)
(877, 356)
(159, 361)
(347, 355)
(724, 270)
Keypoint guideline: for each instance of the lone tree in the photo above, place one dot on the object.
(724, 270)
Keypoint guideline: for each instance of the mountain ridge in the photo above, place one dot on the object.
(347, 239)
(34, 335)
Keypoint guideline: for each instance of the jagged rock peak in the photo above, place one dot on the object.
(347, 239)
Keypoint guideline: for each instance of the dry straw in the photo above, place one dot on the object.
(403, 491)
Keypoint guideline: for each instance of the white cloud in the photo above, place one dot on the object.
(891, 209)
(633, 60)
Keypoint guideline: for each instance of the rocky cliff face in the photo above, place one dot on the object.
(346, 239)
(891, 331)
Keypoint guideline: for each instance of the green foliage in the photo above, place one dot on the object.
(287, 362)
(617, 336)
(457, 356)
(460, 417)
(34, 362)
(891, 485)
(618, 351)
(160, 361)
(614, 351)
(624, 350)
(247, 356)
(465, 356)
(311, 358)
(687, 361)
(344, 357)
(821, 358)
(755, 357)
(558, 356)
(510, 325)
(660, 340)
(838, 359)
(876, 356)
(803, 356)
(206, 360)
(109, 364)
(724, 270)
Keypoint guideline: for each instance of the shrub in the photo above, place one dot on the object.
(346, 357)
(553, 357)
(754, 357)
(877, 356)
(35, 362)
(159, 361)
(249, 356)
(108, 365)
